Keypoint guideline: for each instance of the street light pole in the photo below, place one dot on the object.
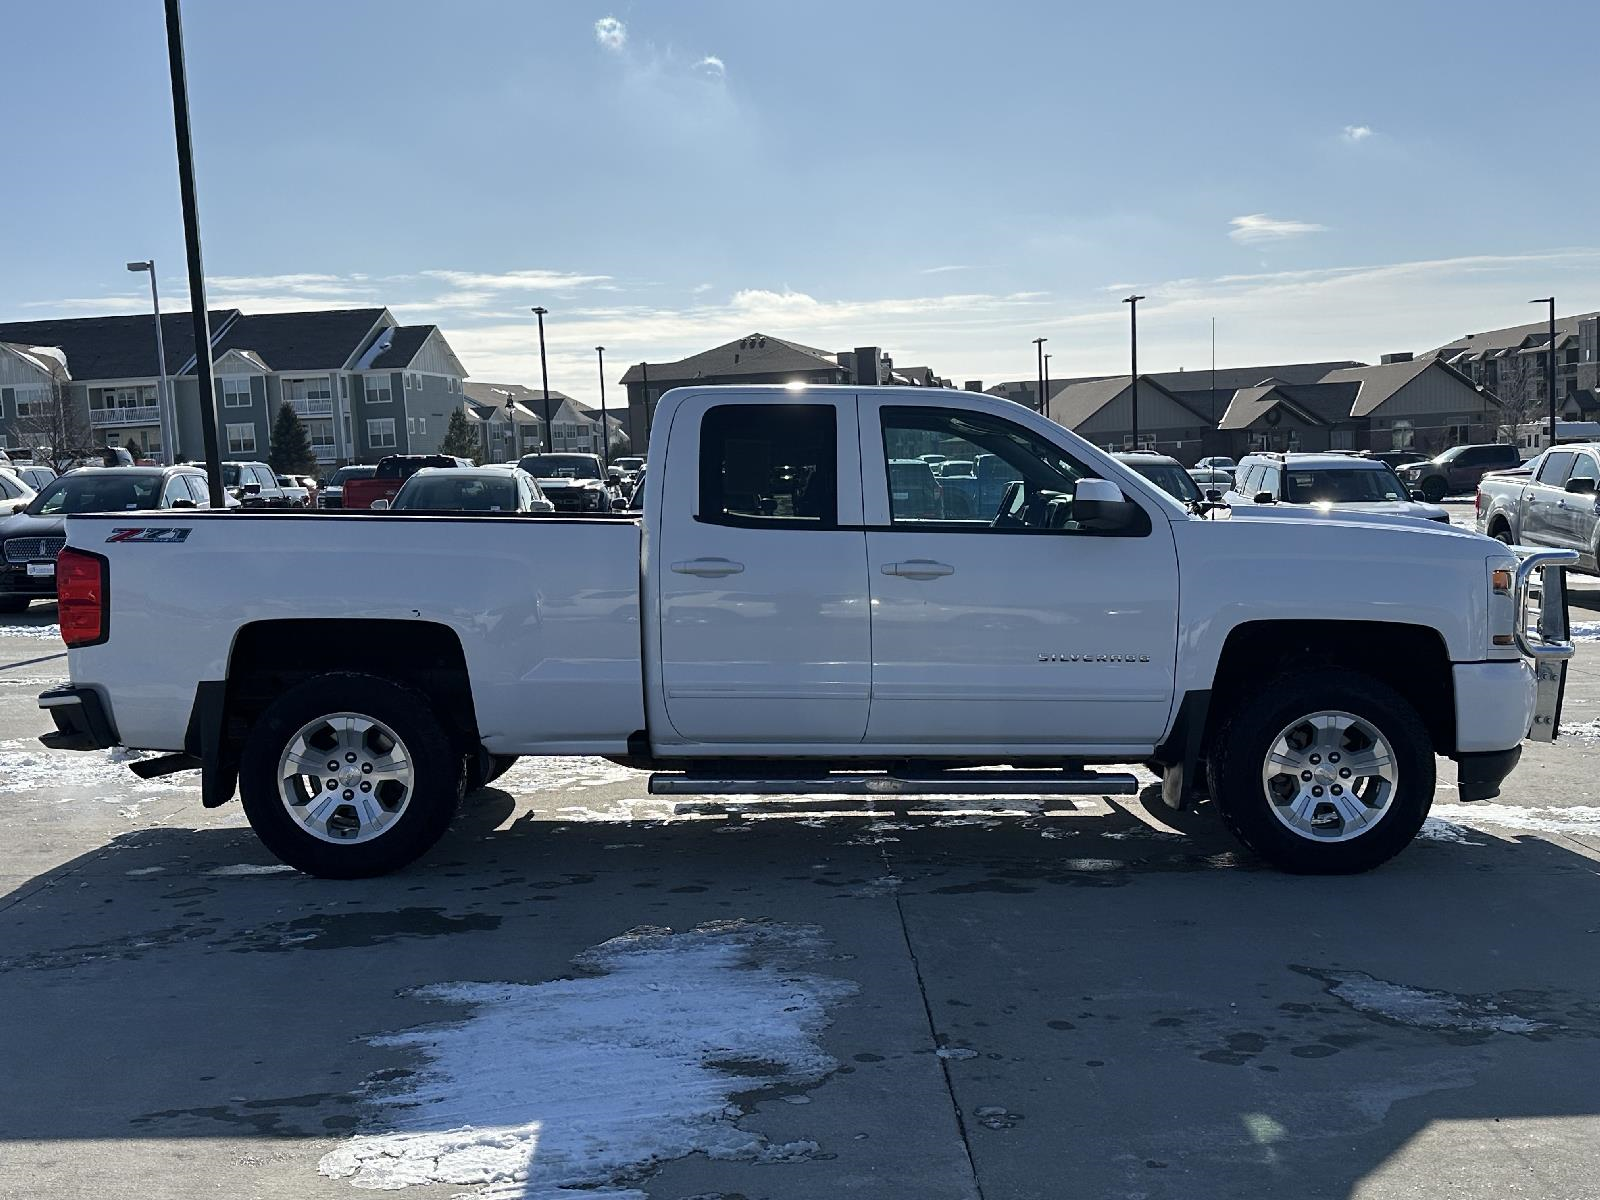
(1047, 373)
(1044, 404)
(167, 421)
(1133, 367)
(1550, 364)
(544, 373)
(605, 428)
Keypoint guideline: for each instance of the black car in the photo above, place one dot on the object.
(30, 541)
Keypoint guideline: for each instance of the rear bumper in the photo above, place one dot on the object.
(82, 722)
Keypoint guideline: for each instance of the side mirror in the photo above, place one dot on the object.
(1418, 494)
(1213, 494)
(380, 505)
(1581, 487)
(620, 504)
(182, 503)
(1099, 504)
(251, 489)
(1265, 498)
(613, 477)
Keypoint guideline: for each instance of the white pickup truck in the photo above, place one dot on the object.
(785, 618)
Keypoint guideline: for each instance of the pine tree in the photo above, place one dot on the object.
(291, 447)
(459, 439)
(133, 447)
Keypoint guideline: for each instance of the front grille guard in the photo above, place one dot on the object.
(1546, 639)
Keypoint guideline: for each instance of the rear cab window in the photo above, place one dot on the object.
(769, 465)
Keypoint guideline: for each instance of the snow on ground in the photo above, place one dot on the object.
(565, 774)
(26, 766)
(1588, 731)
(1585, 631)
(545, 1091)
(43, 633)
(1422, 1008)
(1523, 818)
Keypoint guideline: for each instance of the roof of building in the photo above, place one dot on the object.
(525, 398)
(115, 347)
(302, 341)
(754, 354)
(1075, 403)
(399, 346)
(1512, 336)
(1380, 383)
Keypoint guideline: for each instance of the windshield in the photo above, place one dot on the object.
(1348, 485)
(451, 492)
(345, 474)
(96, 491)
(1170, 478)
(561, 466)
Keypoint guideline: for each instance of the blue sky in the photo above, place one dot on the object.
(947, 180)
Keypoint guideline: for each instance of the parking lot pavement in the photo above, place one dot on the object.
(952, 1002)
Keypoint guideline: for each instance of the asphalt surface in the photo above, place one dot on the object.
(1080, 1001)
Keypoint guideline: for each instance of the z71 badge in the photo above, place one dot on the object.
(157, 533)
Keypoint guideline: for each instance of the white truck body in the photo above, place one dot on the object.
(864, 638)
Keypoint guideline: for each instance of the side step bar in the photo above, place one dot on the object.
(875, 783)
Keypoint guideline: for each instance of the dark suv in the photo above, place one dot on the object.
(1457, 470)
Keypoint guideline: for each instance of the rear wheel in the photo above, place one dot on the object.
(1502, 534)
(1327, 773)
(347, 776)
(13, 604)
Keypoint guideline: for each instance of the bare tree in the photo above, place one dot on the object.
(56, 427)
(1516, 387)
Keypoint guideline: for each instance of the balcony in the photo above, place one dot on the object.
(144, 414)
(316, 406)
(324, 454)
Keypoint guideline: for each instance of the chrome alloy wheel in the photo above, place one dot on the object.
(345, 778)
(1330, 776)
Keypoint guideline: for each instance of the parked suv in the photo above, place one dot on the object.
(254, 485)
(1457, 470)
(33, 537)
(1337, 481)
(1166, 472)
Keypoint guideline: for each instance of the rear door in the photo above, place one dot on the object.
(761, 568)
(1580, 515)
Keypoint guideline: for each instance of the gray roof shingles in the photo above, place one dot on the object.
(302, 341)
(115, 347)
(755, 354)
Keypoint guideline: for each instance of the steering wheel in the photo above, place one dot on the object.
(1004, 518)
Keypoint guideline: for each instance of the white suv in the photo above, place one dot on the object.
(1336, 482)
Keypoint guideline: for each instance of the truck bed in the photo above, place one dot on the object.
(546, 611)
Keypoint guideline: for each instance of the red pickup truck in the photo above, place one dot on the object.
(391, 473)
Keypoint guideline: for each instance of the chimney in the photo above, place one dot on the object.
(974, 385)
(868, 363)
(1400, 357)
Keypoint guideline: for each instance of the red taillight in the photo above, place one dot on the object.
(83, 597)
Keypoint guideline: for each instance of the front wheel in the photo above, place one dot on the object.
(1433, 489)
(346, 776)
(13, 604)
(1326, 773)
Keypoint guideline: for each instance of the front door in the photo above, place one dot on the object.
(1008, 623)
(761, 566)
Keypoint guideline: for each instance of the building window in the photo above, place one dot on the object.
(344, 387)
(236, 392)
(25, 398)
(241, 439)
(309, 394)
(379, 389)
(416, 424)
(321, 435)
(380, 433)
(1402, 436)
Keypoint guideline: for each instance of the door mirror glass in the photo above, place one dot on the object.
(251, 489)
(184, 502)
(1580, 486)
(1265, 498)
(380, 505)
(620, 504)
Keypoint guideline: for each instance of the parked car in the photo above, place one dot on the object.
(833, 647)
(392, 471)
(482, 490)
(574, 483)
(15, 495)
(33, 474)
(331, 494)
(915, 492)
(254, 485)
(1457, 470)
(630, 465)
(1328, 481)
(295, 493)
(1555, 506)
(1396, 458)
(635, 500)
(30, 540)
(1166, 472)
(1219, 463)
(107, 456)
(1211, 479)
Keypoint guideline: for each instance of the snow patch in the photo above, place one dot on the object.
(1588, 731)
(252, 869)
(1423, 1008)
(1578, 818)
(549, 774)
(586, 1082)
(43, 633)
(1584, 631)
(1435, 830)
(26, 766)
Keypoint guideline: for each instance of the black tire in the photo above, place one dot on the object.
(1502, 534)
(1242, 745)
(14, 604)
(484, 769)
(1433, 489)
(436, 764)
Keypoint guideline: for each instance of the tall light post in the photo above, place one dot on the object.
(1550, 364)
(1133, 342)
(605, 428)
(165, 416)
(191, 240)
(1047, 373)
(1044, 404)
(544, 373)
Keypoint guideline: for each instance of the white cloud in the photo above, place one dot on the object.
(711, 67)
(611, 33)
(534, 279)
(1258, 227)
(1356, 133)
(945, 270)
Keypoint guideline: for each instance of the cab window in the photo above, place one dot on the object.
(1269, 481)
(1022, 482)
(175, 490)
(1556, 467)
(770, 465)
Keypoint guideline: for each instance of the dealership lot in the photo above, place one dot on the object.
(956, 1001)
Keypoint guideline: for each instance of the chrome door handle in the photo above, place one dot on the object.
(708, 568)
(918, 568)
